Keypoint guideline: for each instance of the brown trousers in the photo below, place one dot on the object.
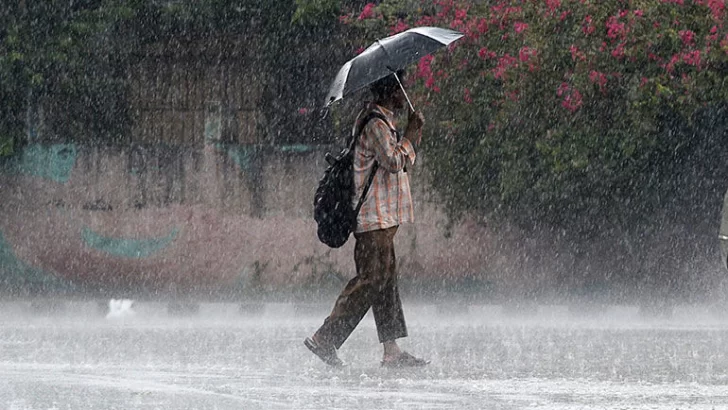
(375, 286)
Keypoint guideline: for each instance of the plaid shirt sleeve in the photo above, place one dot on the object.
(390, 154)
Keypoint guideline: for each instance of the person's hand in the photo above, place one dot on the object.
(414, 127)
(415, 121)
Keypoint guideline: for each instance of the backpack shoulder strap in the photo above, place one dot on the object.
(357, 131)
(359, 126)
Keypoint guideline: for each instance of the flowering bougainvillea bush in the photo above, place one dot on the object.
(557, 110)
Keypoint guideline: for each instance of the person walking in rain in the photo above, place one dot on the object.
(387, 205)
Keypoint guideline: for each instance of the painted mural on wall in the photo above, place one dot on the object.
(158, 220)
(130, 220)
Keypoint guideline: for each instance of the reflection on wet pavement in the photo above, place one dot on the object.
(481, 358)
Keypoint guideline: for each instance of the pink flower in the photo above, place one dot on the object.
(471, 29)
(460, 14)
(368, 11)
(576, 54)
(445, 8)
(587, 26)
(717, 9)
(563, 87)
(303, 111)
(572, 101)
(485, 54)
(482, 26)
(692, 58)
(618, 52)
(425, 21)
(520, 26)
(643, 82)
(502, 10)
(639, 13)
(615, 28)
(399, 27)
(430, 83)
(456, 24)
(598, 78)
(359, 50)
(687, 37)
(466, 96)
(553, 4)
(670, 66)
(504, 63)
(572, 98)
(713, 36)
(525, 53)
(424, 69)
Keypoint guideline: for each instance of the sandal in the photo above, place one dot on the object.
(326, 353)
(405, 360)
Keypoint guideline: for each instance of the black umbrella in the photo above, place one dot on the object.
(386, 56)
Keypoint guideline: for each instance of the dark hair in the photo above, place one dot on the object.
(384, 87)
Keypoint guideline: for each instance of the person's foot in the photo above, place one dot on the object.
(326, 353)
(404, 359)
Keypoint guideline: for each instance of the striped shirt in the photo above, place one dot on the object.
(389, 200)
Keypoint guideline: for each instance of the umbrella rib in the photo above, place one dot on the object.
(385, 52)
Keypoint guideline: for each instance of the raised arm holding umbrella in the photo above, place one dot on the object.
(381, 154)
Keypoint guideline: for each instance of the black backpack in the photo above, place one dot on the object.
(332, 208)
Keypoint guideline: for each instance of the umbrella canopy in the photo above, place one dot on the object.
(386, 56)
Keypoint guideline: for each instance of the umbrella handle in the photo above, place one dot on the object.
(405, 92)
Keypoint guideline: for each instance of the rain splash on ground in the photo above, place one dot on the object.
(482, 358)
